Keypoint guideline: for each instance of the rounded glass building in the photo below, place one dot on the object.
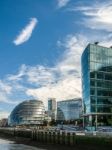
(31, 112)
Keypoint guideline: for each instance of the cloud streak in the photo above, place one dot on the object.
(62, 3)
(26, 33)
(96, 16)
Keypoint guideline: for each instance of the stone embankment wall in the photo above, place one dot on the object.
(57, 137)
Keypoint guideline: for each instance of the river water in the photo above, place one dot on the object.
(9, 145)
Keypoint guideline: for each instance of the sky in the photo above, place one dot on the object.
(41, 42)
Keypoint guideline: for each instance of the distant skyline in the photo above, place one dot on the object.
(41, 43)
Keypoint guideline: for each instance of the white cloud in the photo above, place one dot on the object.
(62, 3)
(5, 87)
(107, 40)
(4, 97)
(20, 74)
(61, 81)
(40, 75)
(4, 114)
(5, 92)
(67, 88)
(26, 33)
(74, 46)
(65, 75)
(97, 16)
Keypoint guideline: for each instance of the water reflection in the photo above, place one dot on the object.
(9, 145)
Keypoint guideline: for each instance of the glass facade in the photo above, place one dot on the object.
(69, 109)
(52, 108)
(30, 112)
(97, 85)
(52, 104)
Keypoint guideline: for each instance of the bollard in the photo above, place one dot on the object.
(71, 139)
(37, 135)
(56, 138)
(46, 133)
(45, 136)
(68, 138)
(50, 138)
(58, 135)
(74, 139)
(61, 140)
(42, 138)
(32, 135)
(63, 137)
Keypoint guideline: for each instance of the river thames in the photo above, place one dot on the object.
(10, 145)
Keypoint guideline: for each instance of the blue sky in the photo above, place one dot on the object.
(41, 43)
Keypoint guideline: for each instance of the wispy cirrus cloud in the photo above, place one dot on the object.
(62, 3)
(6, 89)
(97, 16)
(26, 33)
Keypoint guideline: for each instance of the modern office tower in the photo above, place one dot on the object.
(52, 108)
(69, 109)
(97, 85)
(31, 112)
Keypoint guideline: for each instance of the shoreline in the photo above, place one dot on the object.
(51, 146)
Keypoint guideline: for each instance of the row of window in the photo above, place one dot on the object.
(97, 109)
(100, 67)
(101, 75)
(101, 92)
(96, 100)
(101, 109)
(101, 58)
(100, 84)
(100, 50)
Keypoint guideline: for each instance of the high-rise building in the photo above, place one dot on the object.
(69, 109)
(97, 85)
(52, 108)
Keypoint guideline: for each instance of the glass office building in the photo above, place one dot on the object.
(52, 108)
(69, 109)
(30, 112)
(97, 85)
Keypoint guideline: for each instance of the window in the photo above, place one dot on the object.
(92, 74)
(93, 108)
(92, 92)
(93, 100)
(92, 83)
(100, 75)
(108, 76)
